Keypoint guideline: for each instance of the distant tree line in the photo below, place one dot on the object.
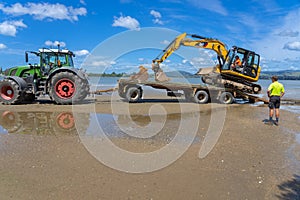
(113, 74)
(282, 75)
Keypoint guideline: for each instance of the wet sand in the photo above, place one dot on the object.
(43, 157)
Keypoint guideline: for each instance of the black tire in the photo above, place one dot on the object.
(226, 98)
(67, 88)
(201, 97)
(10, 92)
(256, 89)
(29, 97)
(121, 93)
(86, 90)
(133, 94)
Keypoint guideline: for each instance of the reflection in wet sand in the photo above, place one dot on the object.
(41, 123)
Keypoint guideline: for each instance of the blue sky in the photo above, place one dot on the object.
(269, 27)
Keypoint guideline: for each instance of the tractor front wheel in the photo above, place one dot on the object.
(67, 88)
(10, 92)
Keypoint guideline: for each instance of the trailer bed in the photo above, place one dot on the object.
(132, 91)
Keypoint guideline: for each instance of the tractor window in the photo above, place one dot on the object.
(62, 59)
(58, 60)
(70, 60)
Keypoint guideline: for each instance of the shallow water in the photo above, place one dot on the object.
(157, 127)
(39, 123)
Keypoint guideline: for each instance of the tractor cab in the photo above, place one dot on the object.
(242, 63)
(50, 59)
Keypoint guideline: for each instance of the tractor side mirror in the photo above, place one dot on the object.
(26, 57)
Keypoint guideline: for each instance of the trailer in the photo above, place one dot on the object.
(132, 91)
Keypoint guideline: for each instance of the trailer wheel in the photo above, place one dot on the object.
(226, 98)
(201, 97)
(10, 92)
(133, 94)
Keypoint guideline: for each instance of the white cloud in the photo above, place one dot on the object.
(166, 42)
(158, 21)
(10, 27)
(280, 42)
(42, 11)
(82, 2)
(102, 63)
(288, 33)
(155, 14)
(2, 46)
(213, 6)
(294, 46)
(126, 22)
(82, 52)
(55, 43)
(97, 63)
(184, 61)
(157, 17)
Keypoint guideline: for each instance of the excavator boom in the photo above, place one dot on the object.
(185, 39)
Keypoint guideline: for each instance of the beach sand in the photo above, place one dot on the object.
(43, 156)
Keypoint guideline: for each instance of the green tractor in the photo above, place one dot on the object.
(55, 76)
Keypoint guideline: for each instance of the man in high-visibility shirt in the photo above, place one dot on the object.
(275, 92)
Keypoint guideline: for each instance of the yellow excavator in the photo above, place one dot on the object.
(240, 75)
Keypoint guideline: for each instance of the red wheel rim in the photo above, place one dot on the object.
(7, 92)
(65, 120)
(65, 88)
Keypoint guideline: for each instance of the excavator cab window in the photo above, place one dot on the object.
(249, 62)
(251, 67)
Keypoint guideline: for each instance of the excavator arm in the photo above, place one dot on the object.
(193, 40)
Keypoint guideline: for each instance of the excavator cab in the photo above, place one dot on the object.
(247, 69)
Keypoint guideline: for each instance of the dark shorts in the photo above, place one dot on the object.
(274, 102)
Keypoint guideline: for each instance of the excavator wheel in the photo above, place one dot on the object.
(10, 92)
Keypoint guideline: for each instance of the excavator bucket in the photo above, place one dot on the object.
(142, 75)
(205, 71)
(160, 75)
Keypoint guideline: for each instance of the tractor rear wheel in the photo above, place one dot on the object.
(68, 88)
(10, 92)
